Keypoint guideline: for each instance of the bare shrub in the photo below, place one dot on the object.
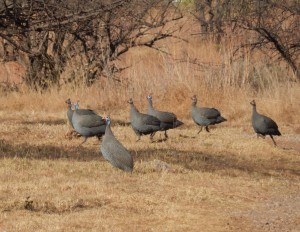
(95, 34)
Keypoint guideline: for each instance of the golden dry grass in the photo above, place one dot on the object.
(226, 180)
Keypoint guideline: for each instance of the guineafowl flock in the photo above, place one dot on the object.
(168, 119)
(143, 124)
(88, 123)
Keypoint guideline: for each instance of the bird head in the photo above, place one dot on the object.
(76, 105)
(130, 101)
(107, 120)
(149, 97)
(68, 101)
(253, 103)
(194, 98)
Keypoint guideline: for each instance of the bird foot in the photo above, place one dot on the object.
(71, 134)
(199, 131)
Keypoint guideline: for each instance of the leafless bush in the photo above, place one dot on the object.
(269, 26)
(51, 33)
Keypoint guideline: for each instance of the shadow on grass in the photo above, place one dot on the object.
(54, 122)
(226, 164)
(121, 123)
(25, 150)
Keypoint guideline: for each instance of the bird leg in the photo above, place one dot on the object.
(166, 136)
(259, 135)
(84, 140)
(139, 138)
(273, 140)
(151, 136)
(200, 130)
(206, 128)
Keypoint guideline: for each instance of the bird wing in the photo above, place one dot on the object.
(91, 120)
(167, 117)
(270, 123)
(209, 113)
(119, 151)
(116, 153)
(85, 112)
(163, 116)
(149, 120)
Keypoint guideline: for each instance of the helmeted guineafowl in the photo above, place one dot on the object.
(114, 152)
(263, 125)
(143, 124)
(204, 116)
(88, 123)
(69, 111)
(168, 119)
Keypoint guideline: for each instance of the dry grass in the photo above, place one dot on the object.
(223, 181)
(227, 180)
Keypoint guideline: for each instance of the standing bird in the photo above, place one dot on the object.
(263, 125)
(204, 116)
(143, 124)
(69, 111)
(88, 123)
(168, 119)
(114, 152)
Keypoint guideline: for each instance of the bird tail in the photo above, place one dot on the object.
(221, 119)
(278, 133)
(177, 123)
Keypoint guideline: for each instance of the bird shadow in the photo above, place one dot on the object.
(52, 152)
(160, 140)
(46, 122)
(120, 123)
(223, 164)
(187, 136)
